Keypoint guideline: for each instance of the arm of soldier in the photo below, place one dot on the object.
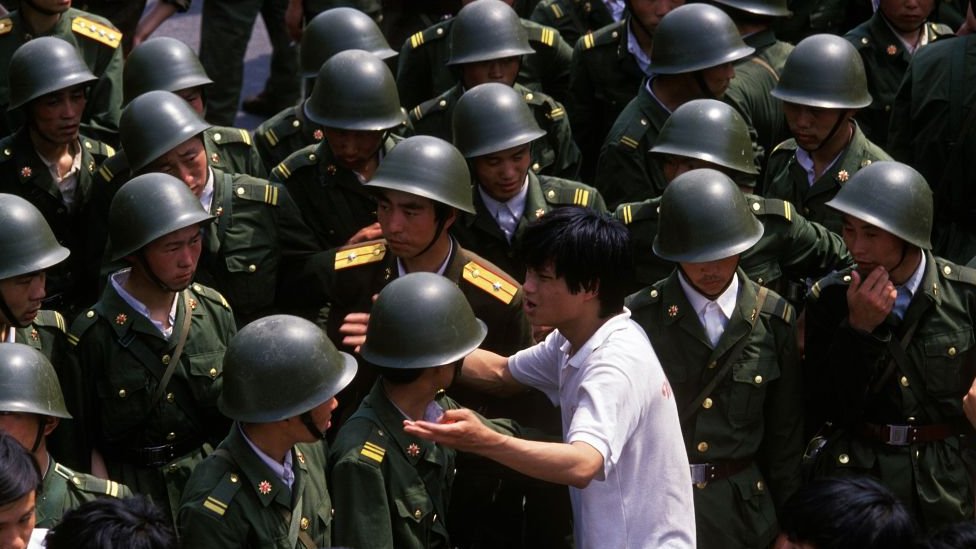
(200, 528)
(413, 76)
(105, 98)
(581, 107)
(900, 131)
(554, 64)
(573, 464)
(560, 135)
(810, 249)
(358, 493)
(620, 174)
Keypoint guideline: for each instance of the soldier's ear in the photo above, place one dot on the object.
(50, 424)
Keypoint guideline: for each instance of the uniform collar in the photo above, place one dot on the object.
(725, 301)
(414, 449)
(267, 486)
(118, 280)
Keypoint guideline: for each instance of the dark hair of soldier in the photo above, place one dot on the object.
(110, 523)
(19, 473)
(590, 250)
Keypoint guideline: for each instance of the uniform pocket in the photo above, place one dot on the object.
(206, 376)
(942, 367)
(748, 392)
(414, 505)
(124, 401)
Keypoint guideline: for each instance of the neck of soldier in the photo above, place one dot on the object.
(674, 90)
(906, 268)
(644, 39)
(412, 398)
(42, 456)
(51, 151)
(39, 23)
(159, 301)
(750, 27)
(430, 260)
(269, 438)
(836, 143)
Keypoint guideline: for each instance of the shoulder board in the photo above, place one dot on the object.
(299, 159)
(6, 25)
(771, 206)
(223, 135)
(97, 31)
(609, 34)
(97, 148)
(436, 104)
(939, 30)
(560, 192)
(645, 296)
(788, 146)
(553, 109)
(81, 324)
(430, 34)
(283, 127)
(374, 449)
(113, 166)
(776, 306)
(633, 133)
(555, 7)
(836, 278)
(51, 318)
(91, 484)
(540, 33)
(257, 191)
(359, 254)
(219, 499)
(210, 294)
(637, 211)
(955, 272)
(491, 282)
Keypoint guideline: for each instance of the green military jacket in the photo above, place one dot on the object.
(481, 234)
(812, 17)
(851, 389)
(122, 357)
(97, 43)
(332, 200)
(885, 62)
(604, 78)
(234, 500)
(755, 77)
(64, 489)
(787, 180)
(422, 70)
(572, 18)
(791, 248)
(391, 490)
(627, 170)
(554, 154)
(755, 413)
(74, 283)
(285, 133)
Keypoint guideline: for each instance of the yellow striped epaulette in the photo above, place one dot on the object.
(430, 34)
(299, 159)
(211, 294)
(609, 34)
(771, 206)
(97, 148)
(436, 104)
(778, 307)
(222, 494)
(360, 254)
(81, 324)
(489, 280)
(6, 25)
(540, 33)
(374, 449)
(835, 278)
(558, 11)
(51, 318)
(257, 191)
(98, 32)
(564, 192)
(92, 484)
(225, 135)
(633, 132)
(955, 272)
(281, 125)
(114, 166)
(637, 211)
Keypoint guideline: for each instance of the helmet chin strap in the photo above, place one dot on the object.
(9, 315)
(152, 275)
(703, 86)
(309, 424)
(841, 118)
(437, 235)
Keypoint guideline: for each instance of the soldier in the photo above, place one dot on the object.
(150, 349)
(683, 70)
(573, 18)
(811, 17)
(727, 346)
(608, 67)
(265, 485)
(494, 129)
(705, 133)
(487, 45)
(356, 103)
(332, 31)
(259, 237)
(50, 164)
(890, 347)
(822, 87)
(31, 407)
(887, 42)
(424, 67)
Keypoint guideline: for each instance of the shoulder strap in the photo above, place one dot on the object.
(900, 360)
(175, 358)
(757, 60)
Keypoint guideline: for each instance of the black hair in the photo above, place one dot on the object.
(590, 250)
(109, 523)
(399, 376)
(961, 535)
(19, 472)
(847, 513)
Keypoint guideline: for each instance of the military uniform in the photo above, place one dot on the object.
(791, 248)
(332, 200)
(423, 73)
(233, 499)
(97, 42)
(122, 356)
(285, 133)
(812, 17)
(64, 489)
(604, 78)
(73, 284)
(885, 61)
(555, 155)
(750, 426)
(572, 18)
(627, 171)
(925, 467)
(787, 180)
(481, 233)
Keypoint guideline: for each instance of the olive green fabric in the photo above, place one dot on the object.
(285, 133)
(64, 489)
(572, 18)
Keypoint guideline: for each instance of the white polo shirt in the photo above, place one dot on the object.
(614, 396)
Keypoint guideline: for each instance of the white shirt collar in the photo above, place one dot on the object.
(282, 471)
(118, 282)
(579, 358)
(805, 161)
(514, 205)
(650, 90)
(725, 301)
(402, 271)
(206, 197)
(67, 184)
(633, 46)
(910, 47)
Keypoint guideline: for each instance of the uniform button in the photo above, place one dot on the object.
(304, 523)
(536, 167)
(173, 468)
(233, 478)
(311, 157)
(887, 108)
(843, 459)
(295, 123)
(653, 293)
(758, 380)
(529, 96)
(165, 359)
(443, 103)
(332, 512)
(440, 31)
(760, 486)
(701, 485)
(947, 270)
(712, 364)
(217, 137)
(252, 268)
(88, 145)
(213, 372)
(910, 419)
(90, 314)
(171, 436)
(703, 447)
(759, 281)
(951, 351)
(707, 403)
(417, 514)
(215, 158)
(551, 194)
(122, 393)
(240, 191)
(76, 481)
(170, 397)
(903, 381)
(756, 206)
(806, 211)
(197, 288)
(847, 279)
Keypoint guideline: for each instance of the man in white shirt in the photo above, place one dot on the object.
(620, 425)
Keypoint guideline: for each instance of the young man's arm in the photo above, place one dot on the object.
(488, 372)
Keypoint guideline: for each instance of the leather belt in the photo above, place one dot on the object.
(905, 435)
(157, 456)
(703, 473)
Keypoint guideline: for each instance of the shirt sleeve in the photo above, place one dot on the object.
(538, 366)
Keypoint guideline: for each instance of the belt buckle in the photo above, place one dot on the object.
(897, 435)
(700, 474)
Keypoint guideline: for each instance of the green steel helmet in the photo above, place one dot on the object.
(153, 124)
(704, 217)
(427, 166)
(693, 37)
(281, 366)
(161, 63)
(28, 383)
(27, 243)
(492, 117)
(45, 65)
(148, 207)
(708, 130)
(487, 29)
(421, 320)
(824, 71)
(891, 196)
(355, 90)
(770, 8)
(336, 30)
